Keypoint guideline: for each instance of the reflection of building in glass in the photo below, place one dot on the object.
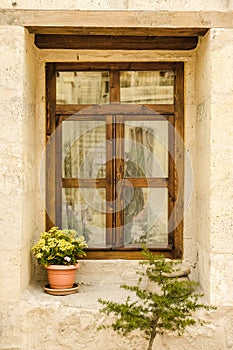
(84, 156)
(83, 87)
(147, 87)
(144, 87)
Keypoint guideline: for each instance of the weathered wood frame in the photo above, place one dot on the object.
(114, 42)
(114, 115)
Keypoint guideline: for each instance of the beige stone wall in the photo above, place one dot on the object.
(214, 164)
(130, 5)
(11, 155)
(33, 320)
(41, 321)
(202, 169)
(221, 162)
(18, 187)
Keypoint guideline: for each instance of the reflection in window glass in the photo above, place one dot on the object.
(83, 149)
(83, 209)
(146, 149)
(147, 87)
(146, 216)
(82, 87)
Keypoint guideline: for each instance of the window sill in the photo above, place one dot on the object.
(86, 297)
(96, 279)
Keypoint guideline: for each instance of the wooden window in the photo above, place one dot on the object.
(114, 164)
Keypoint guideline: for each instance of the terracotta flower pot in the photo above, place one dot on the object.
(61, 276)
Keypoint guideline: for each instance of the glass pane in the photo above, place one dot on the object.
(146, 149)
(83, 209)
(82, 87)
(83, 149)
(147, 87)
(146, 216)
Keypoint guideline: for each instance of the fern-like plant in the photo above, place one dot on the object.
(170, 308)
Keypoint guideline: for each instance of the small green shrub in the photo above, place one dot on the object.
(168, 309)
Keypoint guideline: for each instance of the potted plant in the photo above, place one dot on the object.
(58, 251)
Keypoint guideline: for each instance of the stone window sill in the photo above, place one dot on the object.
(86, 297)
(97, 279)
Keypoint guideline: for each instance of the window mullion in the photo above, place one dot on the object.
(179, 159)
(110, 185)
(58, 175)
(50, 146)
(119, 181)
(114, 86)
(171, 187)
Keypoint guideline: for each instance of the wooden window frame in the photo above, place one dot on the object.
(174, 113)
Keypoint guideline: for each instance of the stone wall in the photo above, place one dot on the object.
(202, 173)
(214, 144)
(18, 150)
(221, 191)
(130, 5)
(41, 321)
(33, 320)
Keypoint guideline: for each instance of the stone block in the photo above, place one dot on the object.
(221, 228)
(10, 275)
(203, 266)
(133, 5)
(181, 5)
(221, 56)
(41, 5)
(124, 272)
(95, 5)
(221, 280)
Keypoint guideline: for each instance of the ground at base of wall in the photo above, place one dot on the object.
(44, 322)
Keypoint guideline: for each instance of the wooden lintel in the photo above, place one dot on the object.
(119, 31)
(109, 42)
(35, 19)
